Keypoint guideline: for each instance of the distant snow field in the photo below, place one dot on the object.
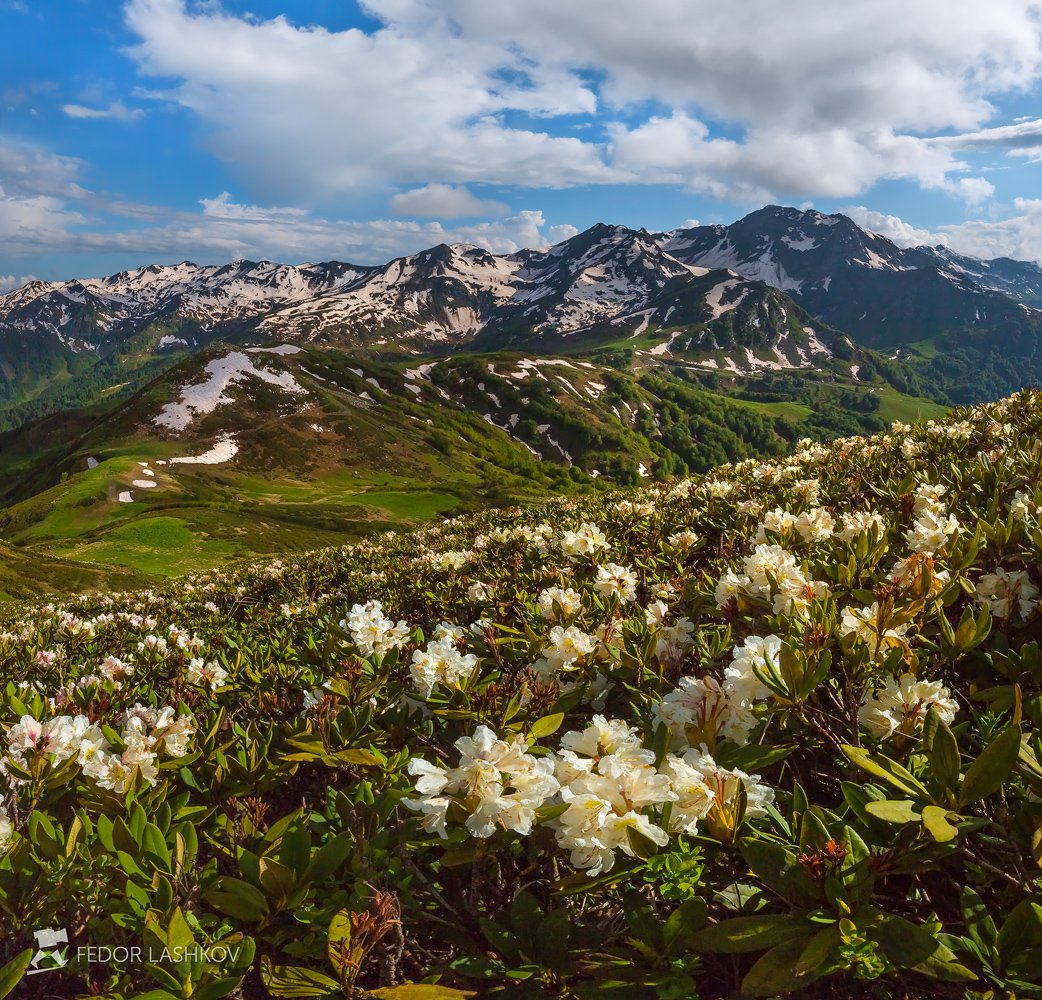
(223, 450)
(221, 373)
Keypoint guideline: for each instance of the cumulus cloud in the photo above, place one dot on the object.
(1017, 234)
(9, 282)
(444, 201)
(454, 92)
(892, 227)
(116, 111)
(43, 208)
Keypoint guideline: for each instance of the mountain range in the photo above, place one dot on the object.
(274, 406)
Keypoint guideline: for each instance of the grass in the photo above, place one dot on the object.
(793, 412)
(896, 405)
(157, 546)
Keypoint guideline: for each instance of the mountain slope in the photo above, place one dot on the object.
(863, 284)
(237, 451)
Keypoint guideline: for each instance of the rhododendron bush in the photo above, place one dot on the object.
(770, 732)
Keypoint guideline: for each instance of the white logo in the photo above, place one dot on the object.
(51, 959)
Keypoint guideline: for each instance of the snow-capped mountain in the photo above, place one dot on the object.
(603, 285)
(861, 282)
(445, 295)
(768, 292)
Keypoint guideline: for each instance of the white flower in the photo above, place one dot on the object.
(814, 525)
(498, 783)
(865, 624)
(700, 710)
(724, 783)
(999, 591)
(620, 581)
(776, 524)
(372, 632)
(655, 613)
(932, 530)
(567, 647)
(115, 669)
(200, 673)
(928, 497)
(904, 702)
(860, 522)
(682, 540)
(673, 641)
(694, 796)
(440, 663)
(479, 591)
(1024, 509)
(6, 831)
(740, 676)
(569, 601)
(587, 540)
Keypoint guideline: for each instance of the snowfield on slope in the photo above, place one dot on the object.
(222, 373)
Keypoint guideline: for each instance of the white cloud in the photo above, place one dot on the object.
(1018, 234)
(344, 112)
(444, 201)
(9, 282)
(814, 106)
(117, 111)
(892, 227)
(43, 209)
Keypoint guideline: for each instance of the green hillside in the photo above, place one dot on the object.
(769, 732)
(363, 445)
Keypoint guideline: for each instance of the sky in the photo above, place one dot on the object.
(153, 131)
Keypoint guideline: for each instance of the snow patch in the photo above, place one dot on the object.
(221, 373)
(282, 349)
(224, 449)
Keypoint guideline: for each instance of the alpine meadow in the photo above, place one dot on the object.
(520, 504)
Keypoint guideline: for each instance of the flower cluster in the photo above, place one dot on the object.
(603, 776)
(372, 631)
(146, 734)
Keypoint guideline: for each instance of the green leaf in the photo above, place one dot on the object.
(238, 899)
(11, 974)
(774, 973)
(357, 758)
(935, 819)
(894, 810)
(551, 940)
(979, 925)
(889, 770)
(546, 726)
(329, 858)
(641, 845)
(818, 951)
(942, 751)
(910, 947)
(178, 933)
(682, 924)
(989, 771)
(296, 981)
(778, 868)
(741, 934)
(338, 938)
(420, 991)
(1022, 930)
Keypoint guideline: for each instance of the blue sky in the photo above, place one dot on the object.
(159, 130)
